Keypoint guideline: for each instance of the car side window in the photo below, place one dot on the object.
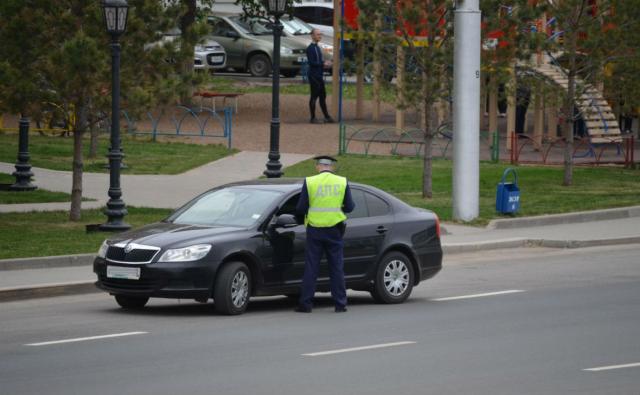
(377, 207)
(220, 27)
(326, 16)
(289, 207)
(360, 211)
(304, 13)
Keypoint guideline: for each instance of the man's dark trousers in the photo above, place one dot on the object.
(319, 241)
(317, 92)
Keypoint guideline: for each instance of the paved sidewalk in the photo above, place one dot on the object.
(54, 276)
(158, 191)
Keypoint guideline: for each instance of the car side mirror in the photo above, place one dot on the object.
(286, 221)
(232, 34)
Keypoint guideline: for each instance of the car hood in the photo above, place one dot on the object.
(166, 234)
(284, 41)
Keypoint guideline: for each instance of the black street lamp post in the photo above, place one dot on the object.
(276, 8)
(23, 171)
(115, 16)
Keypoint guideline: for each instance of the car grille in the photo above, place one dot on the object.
(212, 62)
(299, 51)
(129, 285)
(138, 254)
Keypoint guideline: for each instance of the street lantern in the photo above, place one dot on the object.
(275, 8)
(115, 18)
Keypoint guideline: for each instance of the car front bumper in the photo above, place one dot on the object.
(189, 280)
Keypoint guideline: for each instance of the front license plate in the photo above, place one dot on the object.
(302, 59)
(126, 273)
(217, 59)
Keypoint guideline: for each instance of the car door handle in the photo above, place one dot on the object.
(381, 229)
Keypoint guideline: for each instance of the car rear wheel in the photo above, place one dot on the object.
(232, 289)
(131, 302)
(394, 279)
(259, 65)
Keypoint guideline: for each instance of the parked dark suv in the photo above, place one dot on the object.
(244, 239)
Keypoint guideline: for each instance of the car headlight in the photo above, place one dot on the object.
(199, 48)
(187, 254)
(286, 51)
(102, 252)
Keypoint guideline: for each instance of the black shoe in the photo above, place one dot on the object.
(329, 120)
(302, 309)
(341, 309)
(316, 121)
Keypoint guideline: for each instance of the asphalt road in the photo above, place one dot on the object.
(538, 319)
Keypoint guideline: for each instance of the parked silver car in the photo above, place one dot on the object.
(209, 55)
(249, 47)
(299, 30)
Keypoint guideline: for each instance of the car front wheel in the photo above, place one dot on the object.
(131, 302)
(232, 289)
(394, 279)
(259, 65)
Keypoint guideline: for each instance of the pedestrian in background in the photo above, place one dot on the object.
(323, 201)
(315, 76)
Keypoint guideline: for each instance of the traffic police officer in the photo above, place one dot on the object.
(324, 199)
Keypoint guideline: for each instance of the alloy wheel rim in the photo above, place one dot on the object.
(396, 277)
(239, 289)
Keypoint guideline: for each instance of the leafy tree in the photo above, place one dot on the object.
(593, 36)
(73, 69)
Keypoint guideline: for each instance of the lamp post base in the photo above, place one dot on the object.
(115, 213)
(23, 171)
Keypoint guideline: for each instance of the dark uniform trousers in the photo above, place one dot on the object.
(319, 241)
(317, 92)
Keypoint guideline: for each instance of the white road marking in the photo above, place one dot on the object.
(511, 291)
(317, 354)
(82, 339)
(601, 368)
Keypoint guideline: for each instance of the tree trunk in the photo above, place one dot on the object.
(94, 131)
(569, 103)
(186, 48)
(76, 184)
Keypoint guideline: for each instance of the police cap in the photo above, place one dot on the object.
(325, 160)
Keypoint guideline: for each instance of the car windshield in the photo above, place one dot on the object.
(296, 26)
(234, 206)
(251, 26)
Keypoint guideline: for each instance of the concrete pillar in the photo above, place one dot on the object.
(466, 97)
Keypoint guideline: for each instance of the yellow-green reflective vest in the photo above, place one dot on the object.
(326, 193)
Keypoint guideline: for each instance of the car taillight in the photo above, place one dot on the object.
(437, 225)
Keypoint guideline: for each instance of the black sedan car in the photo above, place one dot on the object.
(244, 239)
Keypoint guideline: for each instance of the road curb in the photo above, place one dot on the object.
(568, 218)
(457, 248)
(47, 290)
(47, 262)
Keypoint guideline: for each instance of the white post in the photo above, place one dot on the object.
(466, 116)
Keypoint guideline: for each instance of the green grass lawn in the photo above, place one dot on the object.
(50, 233)
(142, 156)
(540, 187)
(541, 191)
(37, 196)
